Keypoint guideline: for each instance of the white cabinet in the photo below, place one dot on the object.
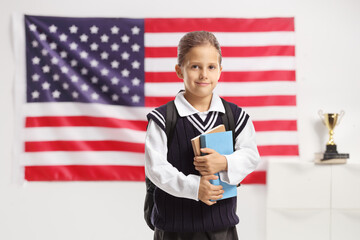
(308, 201)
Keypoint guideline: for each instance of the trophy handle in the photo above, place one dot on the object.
(321, 115)
(342, 113)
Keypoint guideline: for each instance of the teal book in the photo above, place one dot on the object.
(221, 142)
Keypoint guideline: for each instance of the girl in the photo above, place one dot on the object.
(183, 208)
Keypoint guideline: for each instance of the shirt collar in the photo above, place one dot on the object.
(184, 108)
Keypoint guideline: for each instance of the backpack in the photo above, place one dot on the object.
(170, 122)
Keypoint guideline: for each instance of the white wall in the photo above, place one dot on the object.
(327, 51)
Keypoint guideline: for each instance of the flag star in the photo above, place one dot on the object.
(136, 82)
(104, 72)
(125, 56)
(125, 73)
(115, 81)
(125, 90)
(135, 47)
(125, 38)
(52, 28)
(104, 38)
(45, 85)
(32, 27)
(56, 94)
(115, 97)
(73, 46)
(94, 47)
(63, 37)
(35, 60)
(34, 44)
(35, 77)
(56, 77)
(135, 64)
(84, 71)
(94, 80)
(95, 96)
(115, 64)
(105, 88)
(84, 38)
(104, 55)
(65, 86)
(74, 63)
(115, 47)
(63, 54)
(73, 29)
(94, 29)
(35, 94)
(135, 98)
(42, 36)
(75, 94)
(64, 69)
(84, 87)
(74, 78)
(84, 54)
(44, 52)
(46, 69)
(53, 46)
(135, 30)
(54, 60)
(115, 30)
(94, 63)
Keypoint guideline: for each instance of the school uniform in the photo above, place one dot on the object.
(177, 209)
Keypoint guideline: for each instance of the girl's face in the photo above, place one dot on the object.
(200, 71)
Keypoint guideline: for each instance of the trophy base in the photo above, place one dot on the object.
(332, 153)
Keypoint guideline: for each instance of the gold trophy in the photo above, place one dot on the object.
(331, 120)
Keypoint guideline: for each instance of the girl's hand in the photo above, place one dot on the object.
(211, 163)
(208, 191)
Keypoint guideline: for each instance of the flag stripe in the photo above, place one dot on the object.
(218, 24)
(279, 150)
(275, 125)
(85, 173)
(40, 146)
(84, 121)
(170, 52)
(257, 177)
(252, 76)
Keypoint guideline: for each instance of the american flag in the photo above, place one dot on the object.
(89, 83)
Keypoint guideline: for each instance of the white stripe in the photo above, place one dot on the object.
(263, 165)
(227, 89)
(229, 64)
(194, 124)
(272, 113)
(83, 158)
(159, 114)
(241, 120)
(83, 134)
(214, 121)
(160, 118)
(195, 121)
(226, 39)
(277, 138)
(85, 109)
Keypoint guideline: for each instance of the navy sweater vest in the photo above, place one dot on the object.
(175, 214)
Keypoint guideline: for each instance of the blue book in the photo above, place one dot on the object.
(221, 142)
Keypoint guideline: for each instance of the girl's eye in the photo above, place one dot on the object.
(212, 67)
(195, 66)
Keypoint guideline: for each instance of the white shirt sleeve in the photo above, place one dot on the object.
(245, 158)
(161, 172)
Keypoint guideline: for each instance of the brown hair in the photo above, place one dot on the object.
(195, 39)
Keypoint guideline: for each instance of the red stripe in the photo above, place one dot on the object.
(171, 52)
(84, 173)
(44, 146)
(279, 150)
(275, 125)
(228, 76)
(84, 121)
(257, 177)
(257, 101)
(155, 25)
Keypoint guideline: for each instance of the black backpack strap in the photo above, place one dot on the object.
(170, 121)
(228, 118)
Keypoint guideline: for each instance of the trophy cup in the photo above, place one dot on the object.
(331, 120)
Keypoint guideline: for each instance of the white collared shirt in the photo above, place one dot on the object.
(243, 161)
